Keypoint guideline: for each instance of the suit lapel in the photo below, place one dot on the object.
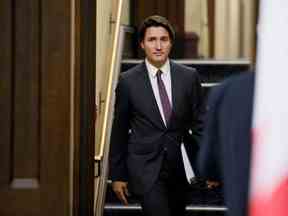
(149, 98)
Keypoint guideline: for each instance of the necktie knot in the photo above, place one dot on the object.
(159, 73)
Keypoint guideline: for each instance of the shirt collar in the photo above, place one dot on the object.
(152, 70)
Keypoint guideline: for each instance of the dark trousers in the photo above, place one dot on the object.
(167, 197)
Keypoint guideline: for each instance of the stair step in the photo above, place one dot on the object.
(202, 201)
(137, 207)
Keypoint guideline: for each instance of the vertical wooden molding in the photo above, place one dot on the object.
(74, 113)
(55, 104)
(77, 96)
(254, 41)
(211, 24)
(87, 105)
(6, 76)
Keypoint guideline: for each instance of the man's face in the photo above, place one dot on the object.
(156, 45)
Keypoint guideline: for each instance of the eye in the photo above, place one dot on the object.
(151, 39)
(165, 39)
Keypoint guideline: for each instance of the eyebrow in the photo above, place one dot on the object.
(154, 37)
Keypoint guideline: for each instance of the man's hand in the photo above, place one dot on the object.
(121, 191)
(212, 184)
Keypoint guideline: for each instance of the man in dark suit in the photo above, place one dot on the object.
(158, 106)
(225, 151)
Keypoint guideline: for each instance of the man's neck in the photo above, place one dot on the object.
(157, 65)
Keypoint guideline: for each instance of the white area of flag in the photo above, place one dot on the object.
(270, 121)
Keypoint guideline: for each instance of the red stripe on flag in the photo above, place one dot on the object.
(276, 204)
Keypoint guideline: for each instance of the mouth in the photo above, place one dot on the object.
(158, 54)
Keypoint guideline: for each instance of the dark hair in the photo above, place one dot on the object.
(155, 21)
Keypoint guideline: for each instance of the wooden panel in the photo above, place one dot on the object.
(47, 107)
(25, 145)
(141, 9)
(5, 89)
(175, 14)
(161, 8)
(172, 10)
(20, 95)
(36, 127)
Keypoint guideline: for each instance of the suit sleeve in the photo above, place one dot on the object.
(209, 160)
(119, 134)
(198, 109)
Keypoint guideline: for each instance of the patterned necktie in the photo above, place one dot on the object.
(166, 106)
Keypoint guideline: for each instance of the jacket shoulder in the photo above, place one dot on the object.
(132, 72)
(184, 68)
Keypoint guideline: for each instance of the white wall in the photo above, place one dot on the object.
(104, 16)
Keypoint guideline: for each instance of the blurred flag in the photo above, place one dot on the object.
(269, 173)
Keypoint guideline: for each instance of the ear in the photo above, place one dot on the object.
(142, 44)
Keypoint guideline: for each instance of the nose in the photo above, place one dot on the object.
(158, 45)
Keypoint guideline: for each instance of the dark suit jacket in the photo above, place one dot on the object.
(139, 134)
(225, 150)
